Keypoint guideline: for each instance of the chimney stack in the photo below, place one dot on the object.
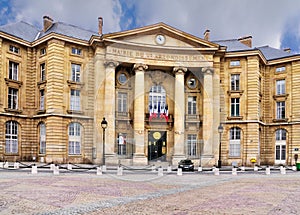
(47, 22)
(247, 40)
(100, 25)
(207, 35)
(287, 50)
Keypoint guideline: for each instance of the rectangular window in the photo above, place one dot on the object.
(42, 138)
(192, 104)
(13, 71)
(43, 71)
(192, 145)
(12, 98)
(280, 69)
(43, 51)
(76, 51)
(235, 107)
(14, 49)
(235, 63)
(235, 82)
(42, 99)
(280, 110)
(75, 100)
(235, 142)
(11, 137)
(122, 144)
(280, 87)
(122, 102)
(75, 73)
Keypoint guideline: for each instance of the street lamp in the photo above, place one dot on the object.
(220, 130)
(104, 126)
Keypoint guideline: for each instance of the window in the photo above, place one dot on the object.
(43, 71)
(42, 99)
(74, 139)
(280, 87)
(280, 69)
(14, 49)
(280, 110)
(75, 100)
(280, 146)
(43, 51)
(235, 82)
(122, 144)
(12, 98)
(11, 137)
(235, 107)
(75, 73)
(42, 138)
(235, 142)
(192, 145)
(235, 63)
(192, 104)
(76, 51)
(13, 71)
(157, 102)
(122, 102)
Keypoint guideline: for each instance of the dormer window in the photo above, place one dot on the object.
(235, 63)
(280, 69)
(14, 49)
(43, 51)
(76, 51)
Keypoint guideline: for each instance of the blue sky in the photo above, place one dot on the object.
(269, 22)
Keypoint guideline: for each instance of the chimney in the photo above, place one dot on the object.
(100, 25)
(246, 41)
(207, 35)
(47, 22)
(287, 50)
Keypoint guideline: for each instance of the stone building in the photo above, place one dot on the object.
(163, 92)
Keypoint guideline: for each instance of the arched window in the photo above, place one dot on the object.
(280, 146)
(74, 138)
(11, 137)
(235, 142)
(42, 127)
(158, 107)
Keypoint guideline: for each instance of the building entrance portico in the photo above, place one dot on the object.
(157, 145)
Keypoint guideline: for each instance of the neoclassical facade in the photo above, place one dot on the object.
(162, 91)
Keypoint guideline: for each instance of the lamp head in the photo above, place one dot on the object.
(104, 123)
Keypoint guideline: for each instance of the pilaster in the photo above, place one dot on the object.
(179, 112)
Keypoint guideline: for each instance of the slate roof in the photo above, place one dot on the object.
(233, 45)
(272, 53)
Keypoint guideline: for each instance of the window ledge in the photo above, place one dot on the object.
(74, 112)
(280, 120)
(42, 82)
(13, 83)
(281, 96)
(74, 83)
(13, 110)
(235, 118)
(229, 92)
(41, 111)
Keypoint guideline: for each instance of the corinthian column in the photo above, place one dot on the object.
(139, 115)
(109, 109)
(208, 117)
(179, 113)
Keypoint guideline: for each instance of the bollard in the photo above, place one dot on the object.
(103, 168)
(16, 165)
(179, 171)
(234, 171)
(1, 165)
(6, 165)
(169, 169)
(200, 169)
(268, 171)
(120, 170)
(282, 170)
(255, 168)
(217, 171)
(69, 166)
(99, 171)
(34, 169)
(160, 171)
(242, 168)
(153, 168)
(52, 166)
(294, 168)
(56, 170)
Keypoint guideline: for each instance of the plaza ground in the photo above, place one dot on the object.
(145, 192)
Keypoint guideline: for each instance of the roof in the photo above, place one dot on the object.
(21, 30)
(233, 45)
(272, 53)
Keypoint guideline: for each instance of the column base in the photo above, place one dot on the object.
(140, 160)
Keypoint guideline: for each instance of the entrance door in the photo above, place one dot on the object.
(157, 145)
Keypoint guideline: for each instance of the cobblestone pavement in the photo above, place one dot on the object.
(148, 193)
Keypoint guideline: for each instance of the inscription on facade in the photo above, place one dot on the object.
(158, 56)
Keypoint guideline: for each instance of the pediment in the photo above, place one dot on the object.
(174, 38)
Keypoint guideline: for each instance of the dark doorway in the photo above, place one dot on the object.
(157, 145)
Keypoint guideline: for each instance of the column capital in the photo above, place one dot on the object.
(140, 66)
(207, 70)
(179, 70)
(111, 63)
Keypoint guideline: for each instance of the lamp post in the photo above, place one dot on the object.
(104, 126)
(220, 130)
